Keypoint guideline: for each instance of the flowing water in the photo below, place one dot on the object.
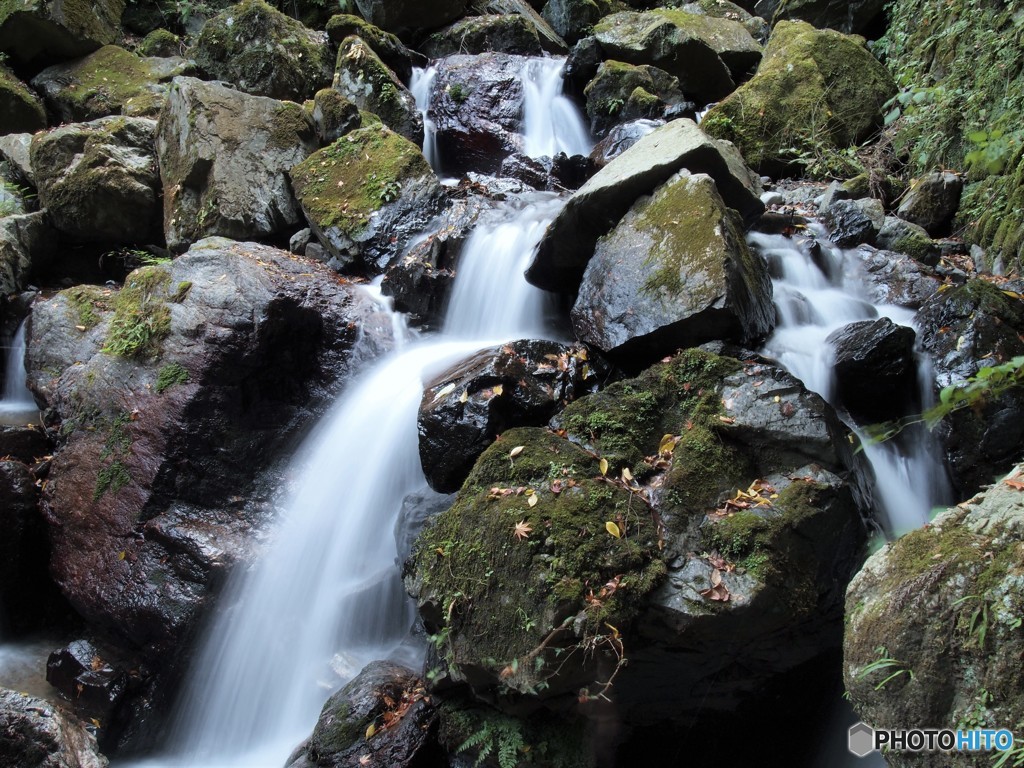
(17, 405)
(553, 123)
(327, 596)
(816, 294)
(420, 85)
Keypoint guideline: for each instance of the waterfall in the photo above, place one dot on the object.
(420, 85)
(815, 294)
(327, 597)
(552, 124)
(17, 404)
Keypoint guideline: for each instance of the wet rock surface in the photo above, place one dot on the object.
(35, 734)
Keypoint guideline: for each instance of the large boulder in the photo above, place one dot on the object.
(111, 81)
(873, 358)
(37, 31)
(815, 90)
(174, 396)
(598, 205)
(99, 180)
(674, 273)
(366, 195)
(707, 54)
(383, 718)
(466, 407)
(933, 625)
(572, 19)
(410, 15)
(895, 278)
(550, 40)
(622, 92)
(476, 106)
(224, 161)
(21, 110)
(511, 33)
(392, 51)
(263, 52)
(932, 201)
(27, 244)
(362, 78)
(671, 474)
(962, 330)
(841, 15)
(36, 734)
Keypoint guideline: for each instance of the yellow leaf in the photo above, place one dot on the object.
(121, 555)
(464, 396)
(444, 391)
(613, 529)
(532, 500)
(668, 442)
(498, 389)
(370, 730)
(604, 466)
(516, 451)
(627, 475)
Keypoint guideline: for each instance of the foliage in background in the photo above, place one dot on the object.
(960, 68)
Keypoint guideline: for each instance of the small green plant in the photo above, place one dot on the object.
(993, 149)
(885, 663)
(112, 477)
(170, 374)
(391, 191)
(12, 196)
(141, 317)
(1012, 757)
(459, 92)
(978, 622)
(497, 734)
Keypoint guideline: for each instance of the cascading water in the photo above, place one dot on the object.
(327, 597)
(816, 294)
(17, 404)
(420, 85)
(553, 123)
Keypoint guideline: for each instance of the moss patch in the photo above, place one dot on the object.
(86, 303)
(21, 111)
(342, 184)
(169, 376)
(109, 82)
(141, 316)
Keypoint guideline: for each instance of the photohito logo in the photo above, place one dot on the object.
(862, 740)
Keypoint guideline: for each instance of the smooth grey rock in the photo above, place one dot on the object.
(894, 278)
(15, 149)
(27, 243)
(550, 40)
(224, 158)
(932, 201)
(849, 17)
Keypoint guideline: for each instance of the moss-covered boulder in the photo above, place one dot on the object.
(841, 15)
(110, 81)
(477, 34)
(171, 396)
(674, 273)
(596, 207)
(333, 115)
(366, 195)
(263, 52)
(99, 180)
(621, 92)
(362, 78)
(933, 632)
(392, 51)
(707, 54)
(410, 15)
(815, 91)
(21, 110)
(963, 330)
(37, 32)
(224, 162)
(549, 569)
(161, 43)
(901, 236)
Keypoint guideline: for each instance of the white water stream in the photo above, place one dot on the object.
(814, 297)
(17, 405)
(327, 596)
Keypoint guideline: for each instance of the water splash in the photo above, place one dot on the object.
(818, 291)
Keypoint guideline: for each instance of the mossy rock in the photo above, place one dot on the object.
(365, 195)
(37, 32)
(511, 33)
(511, 584)
(21, 111)
(161, 42)
(391, 50)
(264, 52)
(612, 96)
(362, 78)
(815, 92)
(410, 15)
(933, 621)
(111, 81)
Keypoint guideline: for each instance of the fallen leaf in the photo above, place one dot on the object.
(516, 451)
(364, 760)
(444, 391)
(1015, 482)
(668, 443)
(603, 465)
(464, 396)
(627, 475)
(726, 420)
(370, 730)
(522, 529)
(532, 500)
(498, 389)
(613, 529)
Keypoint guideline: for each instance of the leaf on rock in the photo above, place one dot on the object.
(444, 391)
(522, 529)
(603, 464)
(532, 500)
(516, 451)
(613, 529)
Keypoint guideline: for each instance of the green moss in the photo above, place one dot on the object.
(22, 111)
(289, 127)
(170, 375)
(111, 478)
(141, 316)
(458, 92)
(342, 184)
(86, 303)
(160, 42)
(816, 91)
(104, 83)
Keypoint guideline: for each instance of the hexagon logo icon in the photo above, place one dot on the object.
(861, 739)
